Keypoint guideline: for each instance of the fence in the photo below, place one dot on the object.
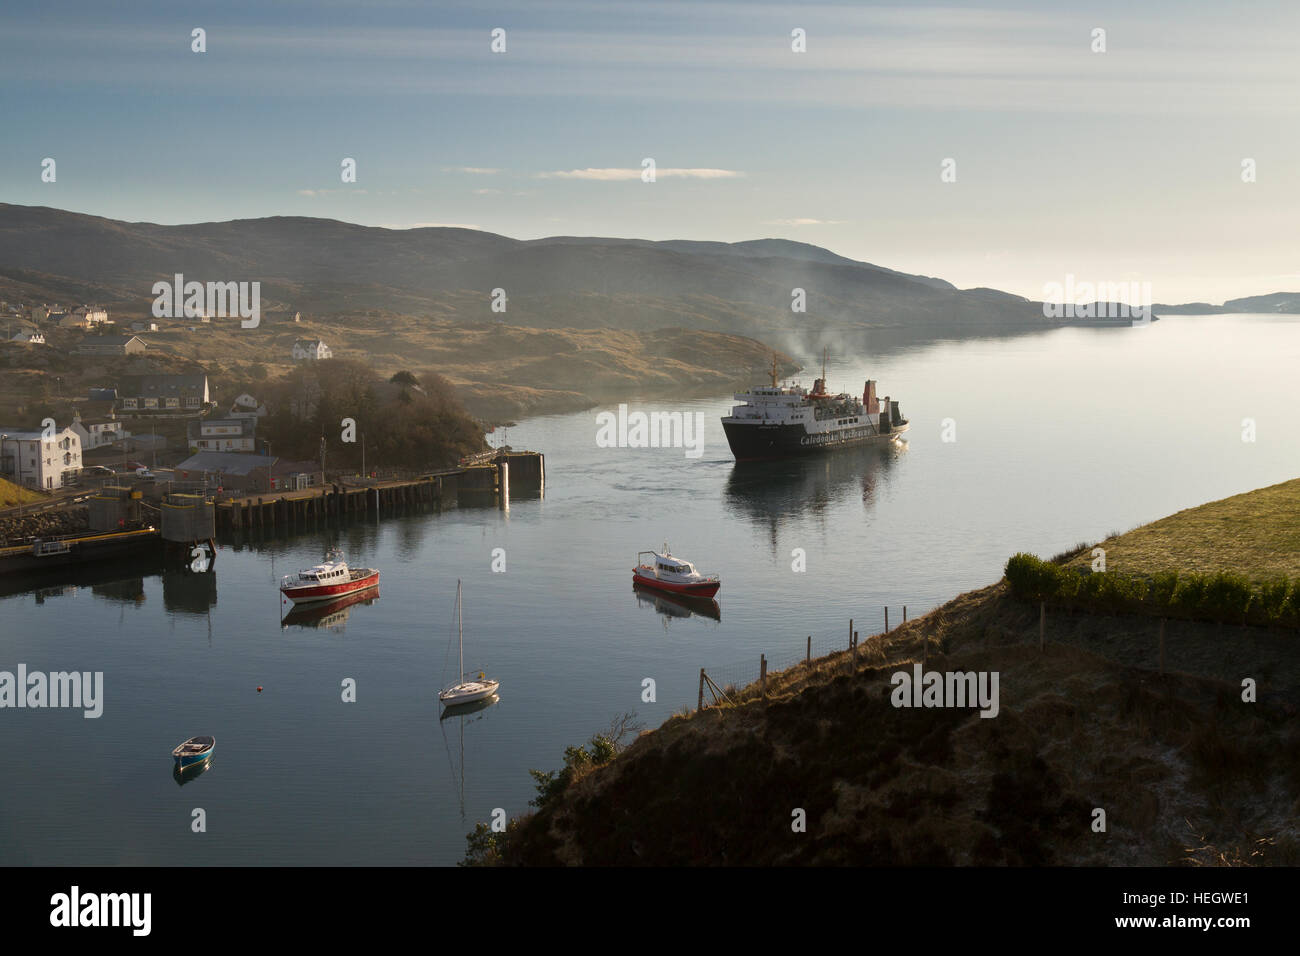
(727, 681)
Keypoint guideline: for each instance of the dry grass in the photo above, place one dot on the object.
(12, 495)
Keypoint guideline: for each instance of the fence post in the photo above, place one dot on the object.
(855, 650)
(850, 631)
(904, 613)
(808, 655)
(1042, 624)
(886, 619)
(699, 705)
(1162, 645)
(762, 674)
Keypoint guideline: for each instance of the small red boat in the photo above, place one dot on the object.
(666, 573)
(328, 581)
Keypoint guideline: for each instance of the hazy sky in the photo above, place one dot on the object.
(1115, 166)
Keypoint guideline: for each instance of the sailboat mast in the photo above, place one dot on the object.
(460, 632)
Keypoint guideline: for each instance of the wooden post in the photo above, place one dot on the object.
(850, 632)
(886, 620)
(699, 705)
(762, 674)
(904, 613)
(854, 645)
(1162, 645)
(808, 655)
(1042, 624)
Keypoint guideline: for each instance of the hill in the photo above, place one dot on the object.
(325, 267)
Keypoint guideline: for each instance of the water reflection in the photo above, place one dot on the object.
(331, 615)
(462, 714)
(676, 606)
(771, 493)
(189, 592)
(192, 772)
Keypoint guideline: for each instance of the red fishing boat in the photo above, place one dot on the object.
(667, 573)
(327, 581)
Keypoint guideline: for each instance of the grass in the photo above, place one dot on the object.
(1256, 534)
(12, 495)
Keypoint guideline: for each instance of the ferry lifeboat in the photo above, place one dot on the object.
(328, 581)
(663, 572)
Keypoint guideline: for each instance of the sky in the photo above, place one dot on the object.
(989, 145)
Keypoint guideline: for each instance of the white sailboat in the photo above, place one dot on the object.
(467, 691)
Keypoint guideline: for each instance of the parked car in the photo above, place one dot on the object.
(97, 471)
(144, 474)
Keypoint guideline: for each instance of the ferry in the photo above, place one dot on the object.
(327, 581)
(785, 421)
(667, 573)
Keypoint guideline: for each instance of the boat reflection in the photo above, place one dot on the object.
(768, 492)
(465, 713)
(192, 772)
(677, 605)
(332, 615)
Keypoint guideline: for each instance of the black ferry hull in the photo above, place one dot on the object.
(767, 441)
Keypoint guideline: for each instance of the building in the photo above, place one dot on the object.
(97, 432)
(311, 350)
(136, 393)
(84, 317)
(30, 336)
(248, 473)
(246, 406)
(294, 475)
(34, 460)
(111, 345)
(222, 434)
(144, 326)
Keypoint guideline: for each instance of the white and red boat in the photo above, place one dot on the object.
(667, 573)
(327, 581)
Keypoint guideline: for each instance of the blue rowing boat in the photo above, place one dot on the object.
(193, 752)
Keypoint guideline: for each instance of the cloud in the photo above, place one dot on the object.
(487, 192)
(472, 170)
(620, 175)
(329, 192)
(804, 222)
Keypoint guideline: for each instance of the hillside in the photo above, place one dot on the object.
(1185, 770)
(326, 267)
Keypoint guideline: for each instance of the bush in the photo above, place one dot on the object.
(1225, 596)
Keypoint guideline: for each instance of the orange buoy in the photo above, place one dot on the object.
(259, 688)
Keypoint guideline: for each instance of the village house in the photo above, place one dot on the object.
(246, 406)
(223, 434)
(97, 432)
(111, 345)
(30, 336)
(155, 393)
(144, 326)
(35, 461)
(84, 317)
(311, 350)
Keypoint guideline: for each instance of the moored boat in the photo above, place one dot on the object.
(327, 581)
(675, 575)
(467, 691)
(194, 751)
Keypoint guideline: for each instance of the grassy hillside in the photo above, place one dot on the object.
(11, 494)
(1256, 534)
(1186, 771)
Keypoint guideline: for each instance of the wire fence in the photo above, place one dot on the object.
(734, 677)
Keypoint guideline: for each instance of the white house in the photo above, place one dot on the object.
(311, 350)
(246, 406)
(144, 326)
(84, 317)
(97, 432)
(35, 461)
(30, 336)
(223, 434)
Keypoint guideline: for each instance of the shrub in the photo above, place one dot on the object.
(1228, 597)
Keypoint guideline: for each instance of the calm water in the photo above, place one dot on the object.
(1061, 437)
